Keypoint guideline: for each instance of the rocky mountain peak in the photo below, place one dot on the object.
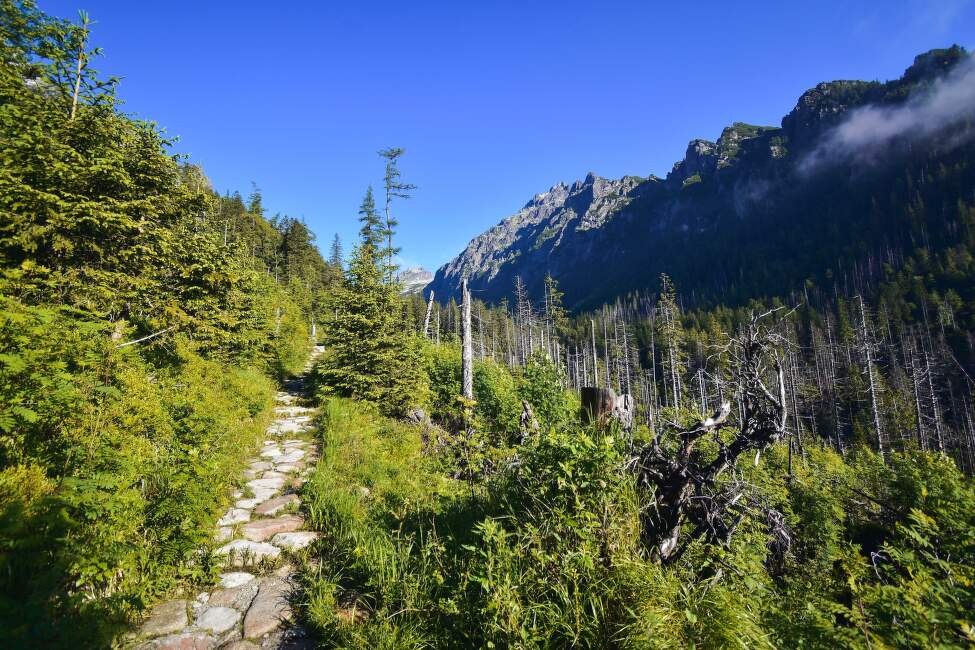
(640, 225)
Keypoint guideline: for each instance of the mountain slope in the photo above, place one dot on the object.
(858, 174)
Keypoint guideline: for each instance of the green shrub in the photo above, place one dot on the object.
(113, 472)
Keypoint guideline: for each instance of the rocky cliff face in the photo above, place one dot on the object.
(551, 220)
(725, 210)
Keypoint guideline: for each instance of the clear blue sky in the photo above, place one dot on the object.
(493, 101)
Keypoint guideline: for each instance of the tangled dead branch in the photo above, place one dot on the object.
(685, 486)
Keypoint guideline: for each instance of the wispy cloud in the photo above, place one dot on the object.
(867, 131)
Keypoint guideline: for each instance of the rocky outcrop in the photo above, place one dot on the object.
(552, 220)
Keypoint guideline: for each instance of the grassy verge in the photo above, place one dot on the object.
(382, 506)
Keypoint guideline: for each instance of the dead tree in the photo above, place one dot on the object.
(600, 405)
(467, 354)
(528, 424)
(871, 380)
(426, 321)
(682, 483)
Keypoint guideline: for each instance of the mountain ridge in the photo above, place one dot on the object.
(629, 230)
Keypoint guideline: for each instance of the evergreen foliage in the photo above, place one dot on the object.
(370, 353)
(141, 316)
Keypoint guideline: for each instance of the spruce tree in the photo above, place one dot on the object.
(335, 253)
(372, 353)
(371, 231)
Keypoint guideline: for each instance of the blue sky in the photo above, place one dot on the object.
(493, 101)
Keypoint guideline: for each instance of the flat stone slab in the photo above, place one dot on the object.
(291, 411)
(271, 452)
(262, 529)
(260, 466)
(265, 484)
(276, 505)
(269, 609)
(273, 474)
(260, 496)
(287, 426)
(288, 468)
(217, 619)
(235, 516)
(165, 619)
(242, 644)
(292, 456)
(239, 597)
(243, 549)
(233, 579)
(294, 541)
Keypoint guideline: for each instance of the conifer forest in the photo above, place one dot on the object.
(645, 413)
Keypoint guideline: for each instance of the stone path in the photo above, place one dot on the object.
(250, 606)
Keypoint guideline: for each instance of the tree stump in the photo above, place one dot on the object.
(601, 405)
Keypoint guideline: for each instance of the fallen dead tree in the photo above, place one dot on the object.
(684, 486)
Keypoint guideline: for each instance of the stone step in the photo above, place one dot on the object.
(263, 529)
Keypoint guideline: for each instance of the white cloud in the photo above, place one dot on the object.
(867, 130)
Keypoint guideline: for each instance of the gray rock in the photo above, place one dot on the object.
(234, 579)
(218, 619)
(295, 540)
(265, 484)
(235, 516)
(260, 496)
(182, 641)
(166, 618)
(238, 597)
(243, 550)
(224, 533)
(262, 529)
(269, 609)
(277, 504)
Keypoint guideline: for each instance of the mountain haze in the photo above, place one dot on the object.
(859, 173)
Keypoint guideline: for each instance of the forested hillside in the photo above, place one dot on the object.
(860, 177)
(143, 321)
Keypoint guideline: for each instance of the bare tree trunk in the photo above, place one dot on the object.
(935, 406)
(595, 364)
(426, 320)
(868, 353)
(77, 79)
(480, 329)
(467, 355)
(913, 370)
